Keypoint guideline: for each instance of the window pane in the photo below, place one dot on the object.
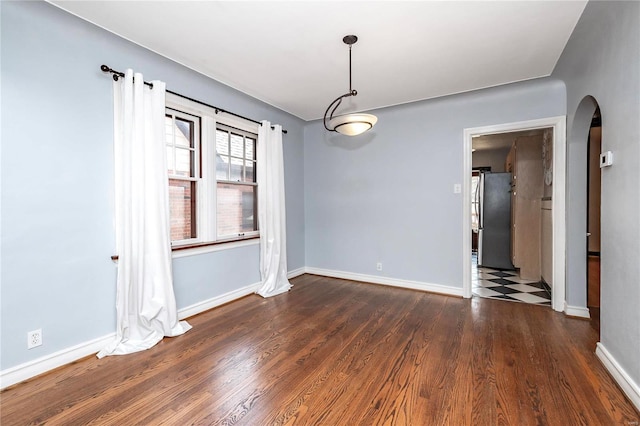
(236, 209)
(236, 169)
(222, 167)
(222, 142)
(184, 133)
(170, 160)
(250, 171)
(168, 130)
(236, 145)
(184, 162)
(182, 209)
(249, 144)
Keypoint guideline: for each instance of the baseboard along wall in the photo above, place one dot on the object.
(41, 365)
(630, 388)
(576, 311)
(33, 368)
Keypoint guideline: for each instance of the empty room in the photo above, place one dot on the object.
(329, 213)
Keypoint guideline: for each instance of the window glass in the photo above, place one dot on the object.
(181, 209)
(180, 139)
(222, 142)
(236, 209)
(237, 148)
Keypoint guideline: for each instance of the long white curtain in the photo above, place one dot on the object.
(145, 302)
(271, 212)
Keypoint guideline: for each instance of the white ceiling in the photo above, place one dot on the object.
(291, 55)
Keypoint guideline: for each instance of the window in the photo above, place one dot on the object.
(212, 175)
(181, 135)
(236, 182)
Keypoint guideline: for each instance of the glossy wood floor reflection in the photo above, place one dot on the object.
(335, 352)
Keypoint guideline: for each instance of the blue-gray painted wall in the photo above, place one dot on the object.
(602, 61)
(57, 180)
(387, 196)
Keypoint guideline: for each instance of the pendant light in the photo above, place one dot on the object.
(348, 124)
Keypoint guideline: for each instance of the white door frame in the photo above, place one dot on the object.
(558, 203)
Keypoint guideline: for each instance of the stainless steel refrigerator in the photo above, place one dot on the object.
(494, 222)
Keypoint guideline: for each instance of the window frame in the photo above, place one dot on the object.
(196, 166)
(242, 182)
(206, 206)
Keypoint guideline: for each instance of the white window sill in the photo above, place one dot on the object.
(178, 252)
(185, 251)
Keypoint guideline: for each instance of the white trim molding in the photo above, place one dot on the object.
(30, 369)
(576, 311)
(46, 363)
(205, 305)
(558, 203)
(393, 282)
(626, 383)
(296, 272)
(193, 251)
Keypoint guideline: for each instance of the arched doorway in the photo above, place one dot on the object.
(578, 207)
(594, 148)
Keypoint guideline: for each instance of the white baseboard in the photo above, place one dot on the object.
(25, 371)
(626, 383)
(394, 282)
(41, 365)
(30, 369)
(205, 305)
(576, 311)
(296, 272)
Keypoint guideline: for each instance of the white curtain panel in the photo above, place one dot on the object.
(145, 301)
(271, 212)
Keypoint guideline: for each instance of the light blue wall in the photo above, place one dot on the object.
(57, 180)
(388, 195)
(602, 60)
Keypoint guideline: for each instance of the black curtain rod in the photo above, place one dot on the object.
(117, 74)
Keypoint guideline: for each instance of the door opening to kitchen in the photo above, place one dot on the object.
(511, 215)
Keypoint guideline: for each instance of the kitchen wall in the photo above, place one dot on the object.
(57, 180)
(601, 63)
(493, 158)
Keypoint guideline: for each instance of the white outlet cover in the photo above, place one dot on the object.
(34, 338)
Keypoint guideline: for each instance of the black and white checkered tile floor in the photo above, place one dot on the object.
(507, 285)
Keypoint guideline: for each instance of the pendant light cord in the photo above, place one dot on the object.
(336, 103)
(350, 68)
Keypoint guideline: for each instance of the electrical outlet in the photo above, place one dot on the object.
(34, 338)
(379, 266)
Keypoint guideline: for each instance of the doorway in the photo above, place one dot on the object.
(512, 216)
(594, 147)
(557, 125)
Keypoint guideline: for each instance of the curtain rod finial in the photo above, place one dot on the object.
(105, 68)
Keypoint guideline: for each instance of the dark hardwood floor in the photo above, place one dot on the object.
(335, 352)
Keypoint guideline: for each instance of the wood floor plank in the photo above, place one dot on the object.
(337, 352)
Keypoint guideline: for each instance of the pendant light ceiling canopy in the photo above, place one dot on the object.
(348, 124)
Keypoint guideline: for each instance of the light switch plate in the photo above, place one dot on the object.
(606, 159)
